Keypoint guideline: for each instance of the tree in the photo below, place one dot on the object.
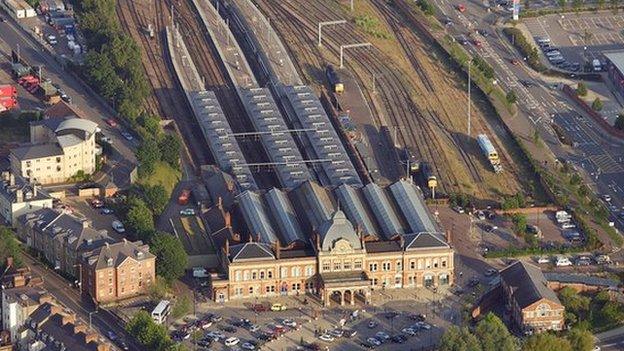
(171, 259)
(619, 122)
(581, 89)
(576, 4)
(493, 334)
(456, 339)
(581, 339)
(601, 4)
(574, 302)
(9, 247)
(520, 223)
(562, 3)
(597, 105)
(148, 333)
(147, 155)
(170, 150)
(159, 289)
(155, 197)
(546, 342)
(511, 97)
(181, 307)
(140, 219)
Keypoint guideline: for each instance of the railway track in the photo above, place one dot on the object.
(393, 91)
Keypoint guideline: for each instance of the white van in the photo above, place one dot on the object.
(562, 261)
(231, 341)
(597, 65)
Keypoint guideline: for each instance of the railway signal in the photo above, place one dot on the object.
(350, 46)
(328, 23)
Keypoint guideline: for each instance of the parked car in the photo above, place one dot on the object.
(382, 336)
(97, 203)
(248, 346)
(562, 261)
(118, 226)
(373, 341)
(278, 307)
(349, 333)
(603, 259)
(474, 281)
(606, 197)
(326, 338)
(106, 211)
(111, 122)
(127, 135)
(490, 272)
(111, 335)
(187, 212)
(583, 261)
(458, 209)
(290, 323)
(231, 341)
(398, 338)
(408, 331)
(543, 260)
(480, 215)
(336, 333)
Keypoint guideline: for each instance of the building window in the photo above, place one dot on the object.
(337, 266)
(357, 264)
(296, 286)
(254, 275)
(284, 272)
(346, 265)
(428, 263)
(373, 267)
(397, 280)
(237, 274)
(374, 282)
(399, 265)
(326, 266)
(435, 263)
(270, 274)
(444, 279)
(410, 280)
(309, 271)
(412, 264)
(238, 291)
(246, 275)
(385, 266)
(261, 274)
(251, 290)
(296, 271)
(444, 263)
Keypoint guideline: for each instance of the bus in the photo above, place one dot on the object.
(160, 313)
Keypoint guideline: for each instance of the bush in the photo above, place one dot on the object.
(581, 89)
(511, 97)
(171, 259)
(526, 49)
(520, 223)
(426, 7)
(483, 66)
(597, 105)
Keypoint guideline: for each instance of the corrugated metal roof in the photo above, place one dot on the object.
(412, 205)
(382, 209)
(218, 133)
(323, 141)
(617, 59)
(355, 209)
(284, 214)
(280, 147)
(315, 203)
(255, 213)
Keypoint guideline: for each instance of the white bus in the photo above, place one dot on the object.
(160, 313)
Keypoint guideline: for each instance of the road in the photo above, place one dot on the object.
(11, 36)
(598, 156)
(102, 320)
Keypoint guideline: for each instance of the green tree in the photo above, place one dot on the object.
(511, 97)
(573, 302)
(546, 342)
(147, 155)
(562, 3)
(601, 4)
(171, 259)
(576, 4)
(426, 7)
(456, 339)
(597, 105)
(609, 315)
(9, 247)
(182, 307)
(581, 339)
(619, 122)
(155, 197)
(520, 223)
(140, 219)
(581, 89)
(170, 150)
(151, 126)
(493, 334)
(148, 333)
(159, 289)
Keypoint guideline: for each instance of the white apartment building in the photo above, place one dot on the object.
(59, 148)
(18, 197)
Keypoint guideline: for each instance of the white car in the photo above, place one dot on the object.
(382, 336)
(326, 338)
(254, 328)
(562, 261)
(408, 331)
(290, 323)
(248, 346)
(118, 227)
(373, 341)
(543, 260)
(231, 341)
(568, 225)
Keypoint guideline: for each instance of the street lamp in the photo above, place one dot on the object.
(91, 316)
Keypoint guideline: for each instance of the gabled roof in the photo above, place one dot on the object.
(251, 251)
(117, 253)
(338, 227)
(527, 283)
(383, 246)
(30, 152)
(424, 240)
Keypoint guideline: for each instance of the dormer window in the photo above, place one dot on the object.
(109, 262)
(139, 255)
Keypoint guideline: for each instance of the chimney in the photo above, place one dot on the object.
(80, 328)
(90, 336)
(19, 280)
(278, 249)
(9, 261)
(11, 179)
(448, 237)
(85, 223)
(227, 247)
(220, 203)
(250, 239)
(318, 242)
(44, 297)
(54, 309)
(35, 187)
(69, 318)
(227, 220)
(402, 241)
(19, 196)
(103, 347)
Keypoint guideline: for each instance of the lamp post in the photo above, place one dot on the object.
(79, 265)
(91, 316)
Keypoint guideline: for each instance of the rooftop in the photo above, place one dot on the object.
(10, 189)
(112, 255)
(31, 152)
(617, 58)
(527, 283)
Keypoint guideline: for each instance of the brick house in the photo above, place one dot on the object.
(533, 306)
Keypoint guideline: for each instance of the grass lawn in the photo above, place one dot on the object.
(163, 175)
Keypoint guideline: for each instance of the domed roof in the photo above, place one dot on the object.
(338, 227)
(77, 123)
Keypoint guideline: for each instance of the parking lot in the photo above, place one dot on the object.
(99, 220)
(580, 37)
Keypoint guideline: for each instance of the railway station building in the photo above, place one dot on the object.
(335, 258)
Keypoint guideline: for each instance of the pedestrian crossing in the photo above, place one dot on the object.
(606, 164)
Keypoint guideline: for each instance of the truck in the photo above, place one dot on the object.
(490, 152)
(334, 80)
(183, 199)
(8, 90)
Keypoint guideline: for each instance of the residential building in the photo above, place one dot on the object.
(18, 197)
(118, 271)
(339, 266)
(59, 148)
(18, 303)
(60, 237)
(50, 327)
(533, 306)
